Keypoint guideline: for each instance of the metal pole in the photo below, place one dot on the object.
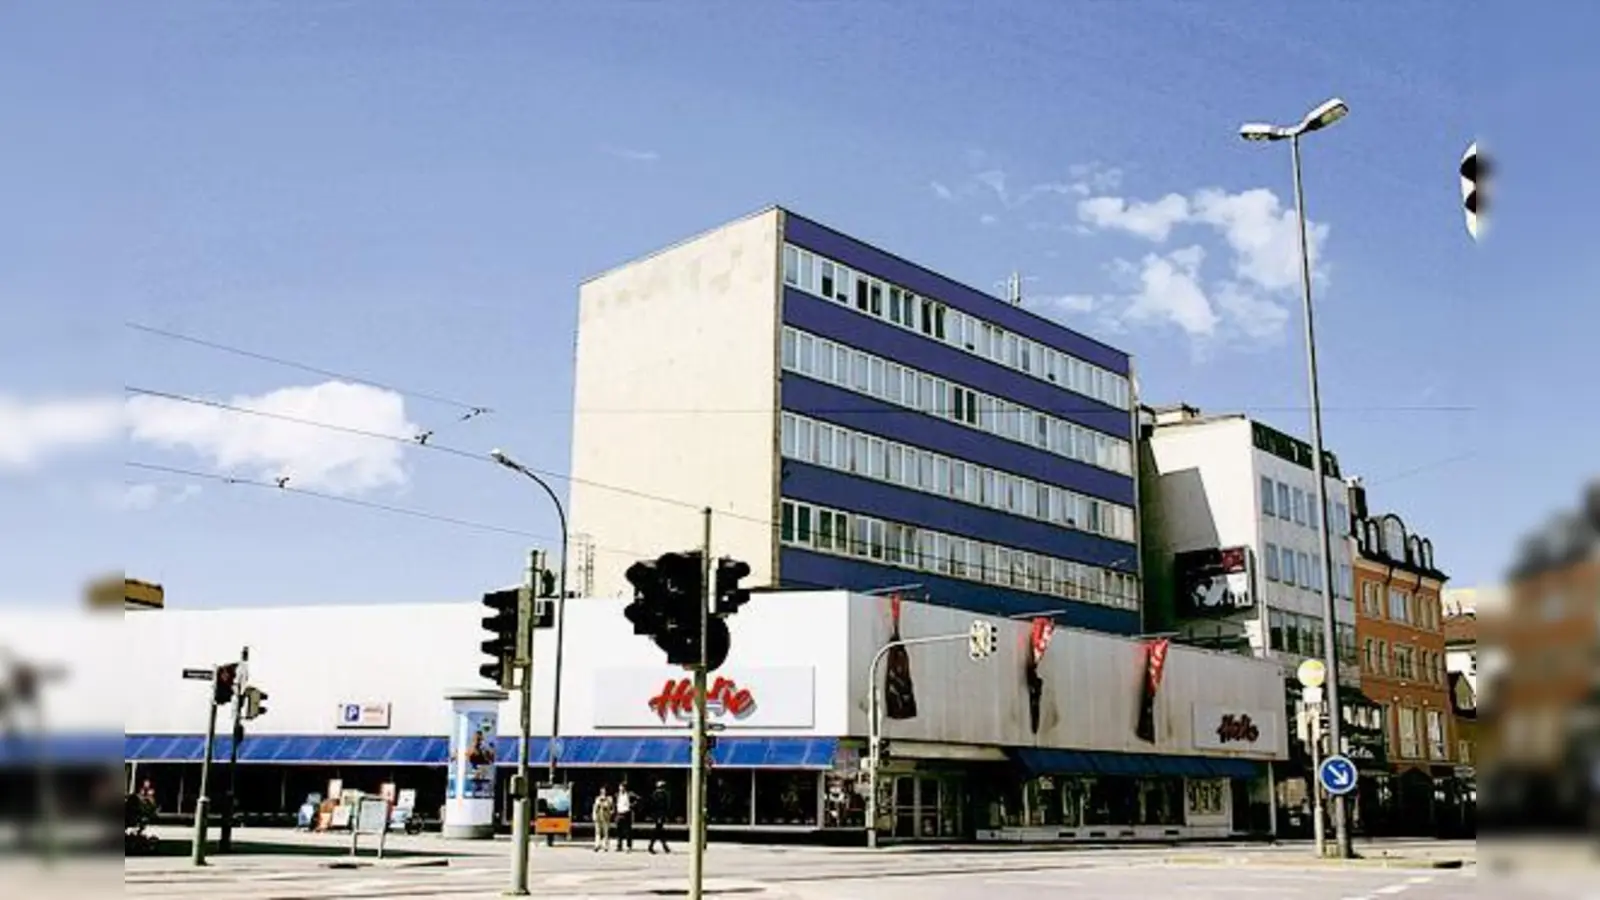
(1319, 824)
(520, 788)
(697, 762)
(561, 629)
(875, 725)
(202, 803)
(225, 838)
(1330, 633)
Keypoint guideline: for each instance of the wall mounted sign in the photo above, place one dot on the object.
(1214, 582)
(1235, 729)
(356, 715)
(661, 697)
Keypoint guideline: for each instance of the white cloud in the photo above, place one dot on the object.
(253, 446)
(1258, 317)
(631, 154)
(1153, 221)
(988, 219)
(1169, 290)
(940, 191)
(31, 433)
(1263, 234)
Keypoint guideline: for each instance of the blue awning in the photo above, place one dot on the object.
(78, 749)
(588, 751)
(1097, 762)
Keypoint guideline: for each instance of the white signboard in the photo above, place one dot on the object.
(663, 697)
(353, 714)
(1235, 729)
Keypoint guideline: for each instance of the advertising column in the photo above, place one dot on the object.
(469, 807)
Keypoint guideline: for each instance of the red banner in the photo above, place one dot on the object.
(1155, 664)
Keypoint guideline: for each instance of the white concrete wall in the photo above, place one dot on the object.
(308, 659)
(1091, 692)
(641, 402)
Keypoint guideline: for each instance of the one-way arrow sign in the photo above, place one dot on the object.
(1338, 775)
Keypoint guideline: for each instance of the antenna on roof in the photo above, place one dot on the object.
(1014, 289)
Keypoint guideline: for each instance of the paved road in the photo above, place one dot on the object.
(427, 867)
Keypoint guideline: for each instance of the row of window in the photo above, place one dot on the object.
(1403, 662)
(864, 373)
(1296, 568)
(1408, 722)
(834, 281)
(892, 543)
(1299, 634)
(870, 456)
(1405, 607)
(1291, 504)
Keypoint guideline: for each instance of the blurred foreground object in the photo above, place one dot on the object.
(118, 591)
(1475, 174)
(1541, 708)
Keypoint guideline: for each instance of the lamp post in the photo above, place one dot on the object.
(503, 459)
(1316, 120)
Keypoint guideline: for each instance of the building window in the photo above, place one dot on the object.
(1273, 572)
(1399, 606)
(1405, 663)
(1341, 520)
(1437, 747)
(1287, 559)
(1275, 623)
(1299, 507)
(1366, 655)
(1383, 658)
(1267, 506)
(1370, 605)
(1464, 752)
(1285, 507)
(1410, 740)
(1303, 566)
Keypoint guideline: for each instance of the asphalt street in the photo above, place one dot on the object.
(316, 867)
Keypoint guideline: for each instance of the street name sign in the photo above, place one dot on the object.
(198, 675)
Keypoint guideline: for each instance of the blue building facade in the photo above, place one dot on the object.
(935, 436)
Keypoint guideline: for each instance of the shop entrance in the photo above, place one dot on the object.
(928, 806)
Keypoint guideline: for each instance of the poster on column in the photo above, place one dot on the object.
(474, 748)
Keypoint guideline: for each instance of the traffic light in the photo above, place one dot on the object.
(501, 649)
(222, 688)
(645, 612)
(547, 583)
(255, 703)
(729, 595)
(668, 602)
(983, 640)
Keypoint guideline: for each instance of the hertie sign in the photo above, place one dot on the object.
(724, 699)
(1234, 728)
(660, 697)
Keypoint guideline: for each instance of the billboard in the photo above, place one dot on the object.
(1214, 582)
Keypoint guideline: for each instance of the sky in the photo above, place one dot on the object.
(403, 197)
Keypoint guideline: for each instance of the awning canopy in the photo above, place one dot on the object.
(591, 751)
(1039, 761)
(72, 749)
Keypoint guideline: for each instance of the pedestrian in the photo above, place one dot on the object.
(660, 800)
(604, 809)
(624, 817)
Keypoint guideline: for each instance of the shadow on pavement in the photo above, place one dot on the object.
(169, 848)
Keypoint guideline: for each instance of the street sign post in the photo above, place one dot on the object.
(1313, 673)
(1337, 774)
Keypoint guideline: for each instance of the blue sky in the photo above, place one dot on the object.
(411, 192)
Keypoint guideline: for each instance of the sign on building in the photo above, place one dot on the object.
(357, 714)
(663, 697)
(1235, 729)
(1213, 582)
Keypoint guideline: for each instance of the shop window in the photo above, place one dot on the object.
(786, 798)
(1112, 801)
(1160, 801)
(728, 797)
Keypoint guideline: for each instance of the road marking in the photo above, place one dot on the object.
(1386, 890)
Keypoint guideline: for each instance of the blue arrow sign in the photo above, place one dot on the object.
(1338, 775)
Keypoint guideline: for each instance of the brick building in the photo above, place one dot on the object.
(1401, 642)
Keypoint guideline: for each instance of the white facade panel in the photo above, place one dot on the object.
(661, 342)
(1091, 693)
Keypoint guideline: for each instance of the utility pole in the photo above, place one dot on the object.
(520, 807)
(202, 803)
(697, 772)
(225, 839)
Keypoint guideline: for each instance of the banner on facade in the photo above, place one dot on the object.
(1039, 634)
(899, 693)
(1213, 582)
(1155, 664)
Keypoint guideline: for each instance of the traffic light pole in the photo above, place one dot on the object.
(202, 803)
(520, 807)
(225, 838)
(697, 771)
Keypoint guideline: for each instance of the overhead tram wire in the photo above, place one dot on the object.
(472, 410)
(775, 526)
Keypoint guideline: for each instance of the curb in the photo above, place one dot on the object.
(1377, 862)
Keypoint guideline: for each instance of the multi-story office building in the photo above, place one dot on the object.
(1400, 631)
(1233, 561)
(853, 420)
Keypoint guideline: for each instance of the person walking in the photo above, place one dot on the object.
(604, 809)
(660, 801)
(624, 817)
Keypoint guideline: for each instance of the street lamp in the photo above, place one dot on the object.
(1316, 120)
(505, 460)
